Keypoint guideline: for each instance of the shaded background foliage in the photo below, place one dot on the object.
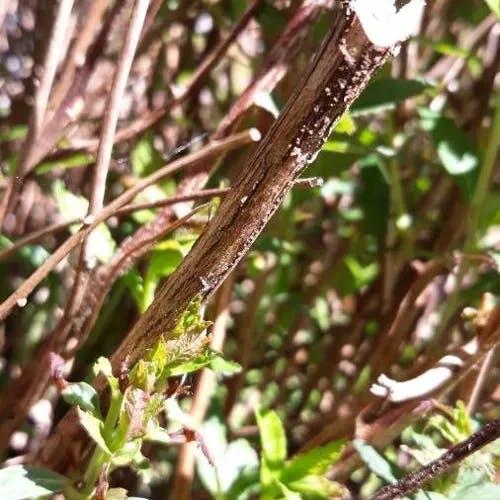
(388, 265)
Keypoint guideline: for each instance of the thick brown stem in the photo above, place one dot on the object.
(345, 63)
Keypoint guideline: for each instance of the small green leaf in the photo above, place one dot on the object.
(144, 157)
(316, 487)
(94, 427)
(135, 283)
(163, 262)
(272, 438)
(385, 93)
(158, 355)
(454, 150)
(374, 197)
(314, 462)
(287, 493)
(103, 365)
(494, 5)
(485, 491)
(72, 161)
(200, 361)
(84, 396)
(374, 461)
(345, 125)
(127, 453)
(19, 482)
(219, 364)
(143, 376)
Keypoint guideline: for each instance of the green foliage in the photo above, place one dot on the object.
(453, 148)
(135, 406)
(24, 482)
(375, 461)
(299, 477)
(494, 5)
(385, 93)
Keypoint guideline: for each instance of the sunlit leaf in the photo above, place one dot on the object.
(94, 428)
(385, 93)
(84, 396)
(313, 462)
(494, 5)
(272, 438)
(20, 482)
(374, 461)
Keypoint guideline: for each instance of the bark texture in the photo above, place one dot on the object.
(343, 66)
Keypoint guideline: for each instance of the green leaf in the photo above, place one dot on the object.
(94, 428)
(192, 365)
(19, 482)
(314, 462)
(135, 283)
(247, 479)
(163, 262)
(219, 364)
(287, 493)
(487, 491)
(143, 376)
(362, 275)
(144, 157)
(374, 197)
(272, 438)
(453, 148)
(374, 461)
(158, 355)
(385, 93)
(127, 453)
(84, 396)
(103, 365)
(101, 244)
(494, 5)
(316, 488)
(345, 125)
(191, 320)
(72, 161)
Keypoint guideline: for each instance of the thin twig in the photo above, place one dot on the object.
(126, 210)
(308, 182)
(51, 62)
(153, 117)
(481, 379)
(489, 433)
(52, 59)
(216, 147)
(17, 399)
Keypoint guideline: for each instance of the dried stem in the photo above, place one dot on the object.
(216, 147)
